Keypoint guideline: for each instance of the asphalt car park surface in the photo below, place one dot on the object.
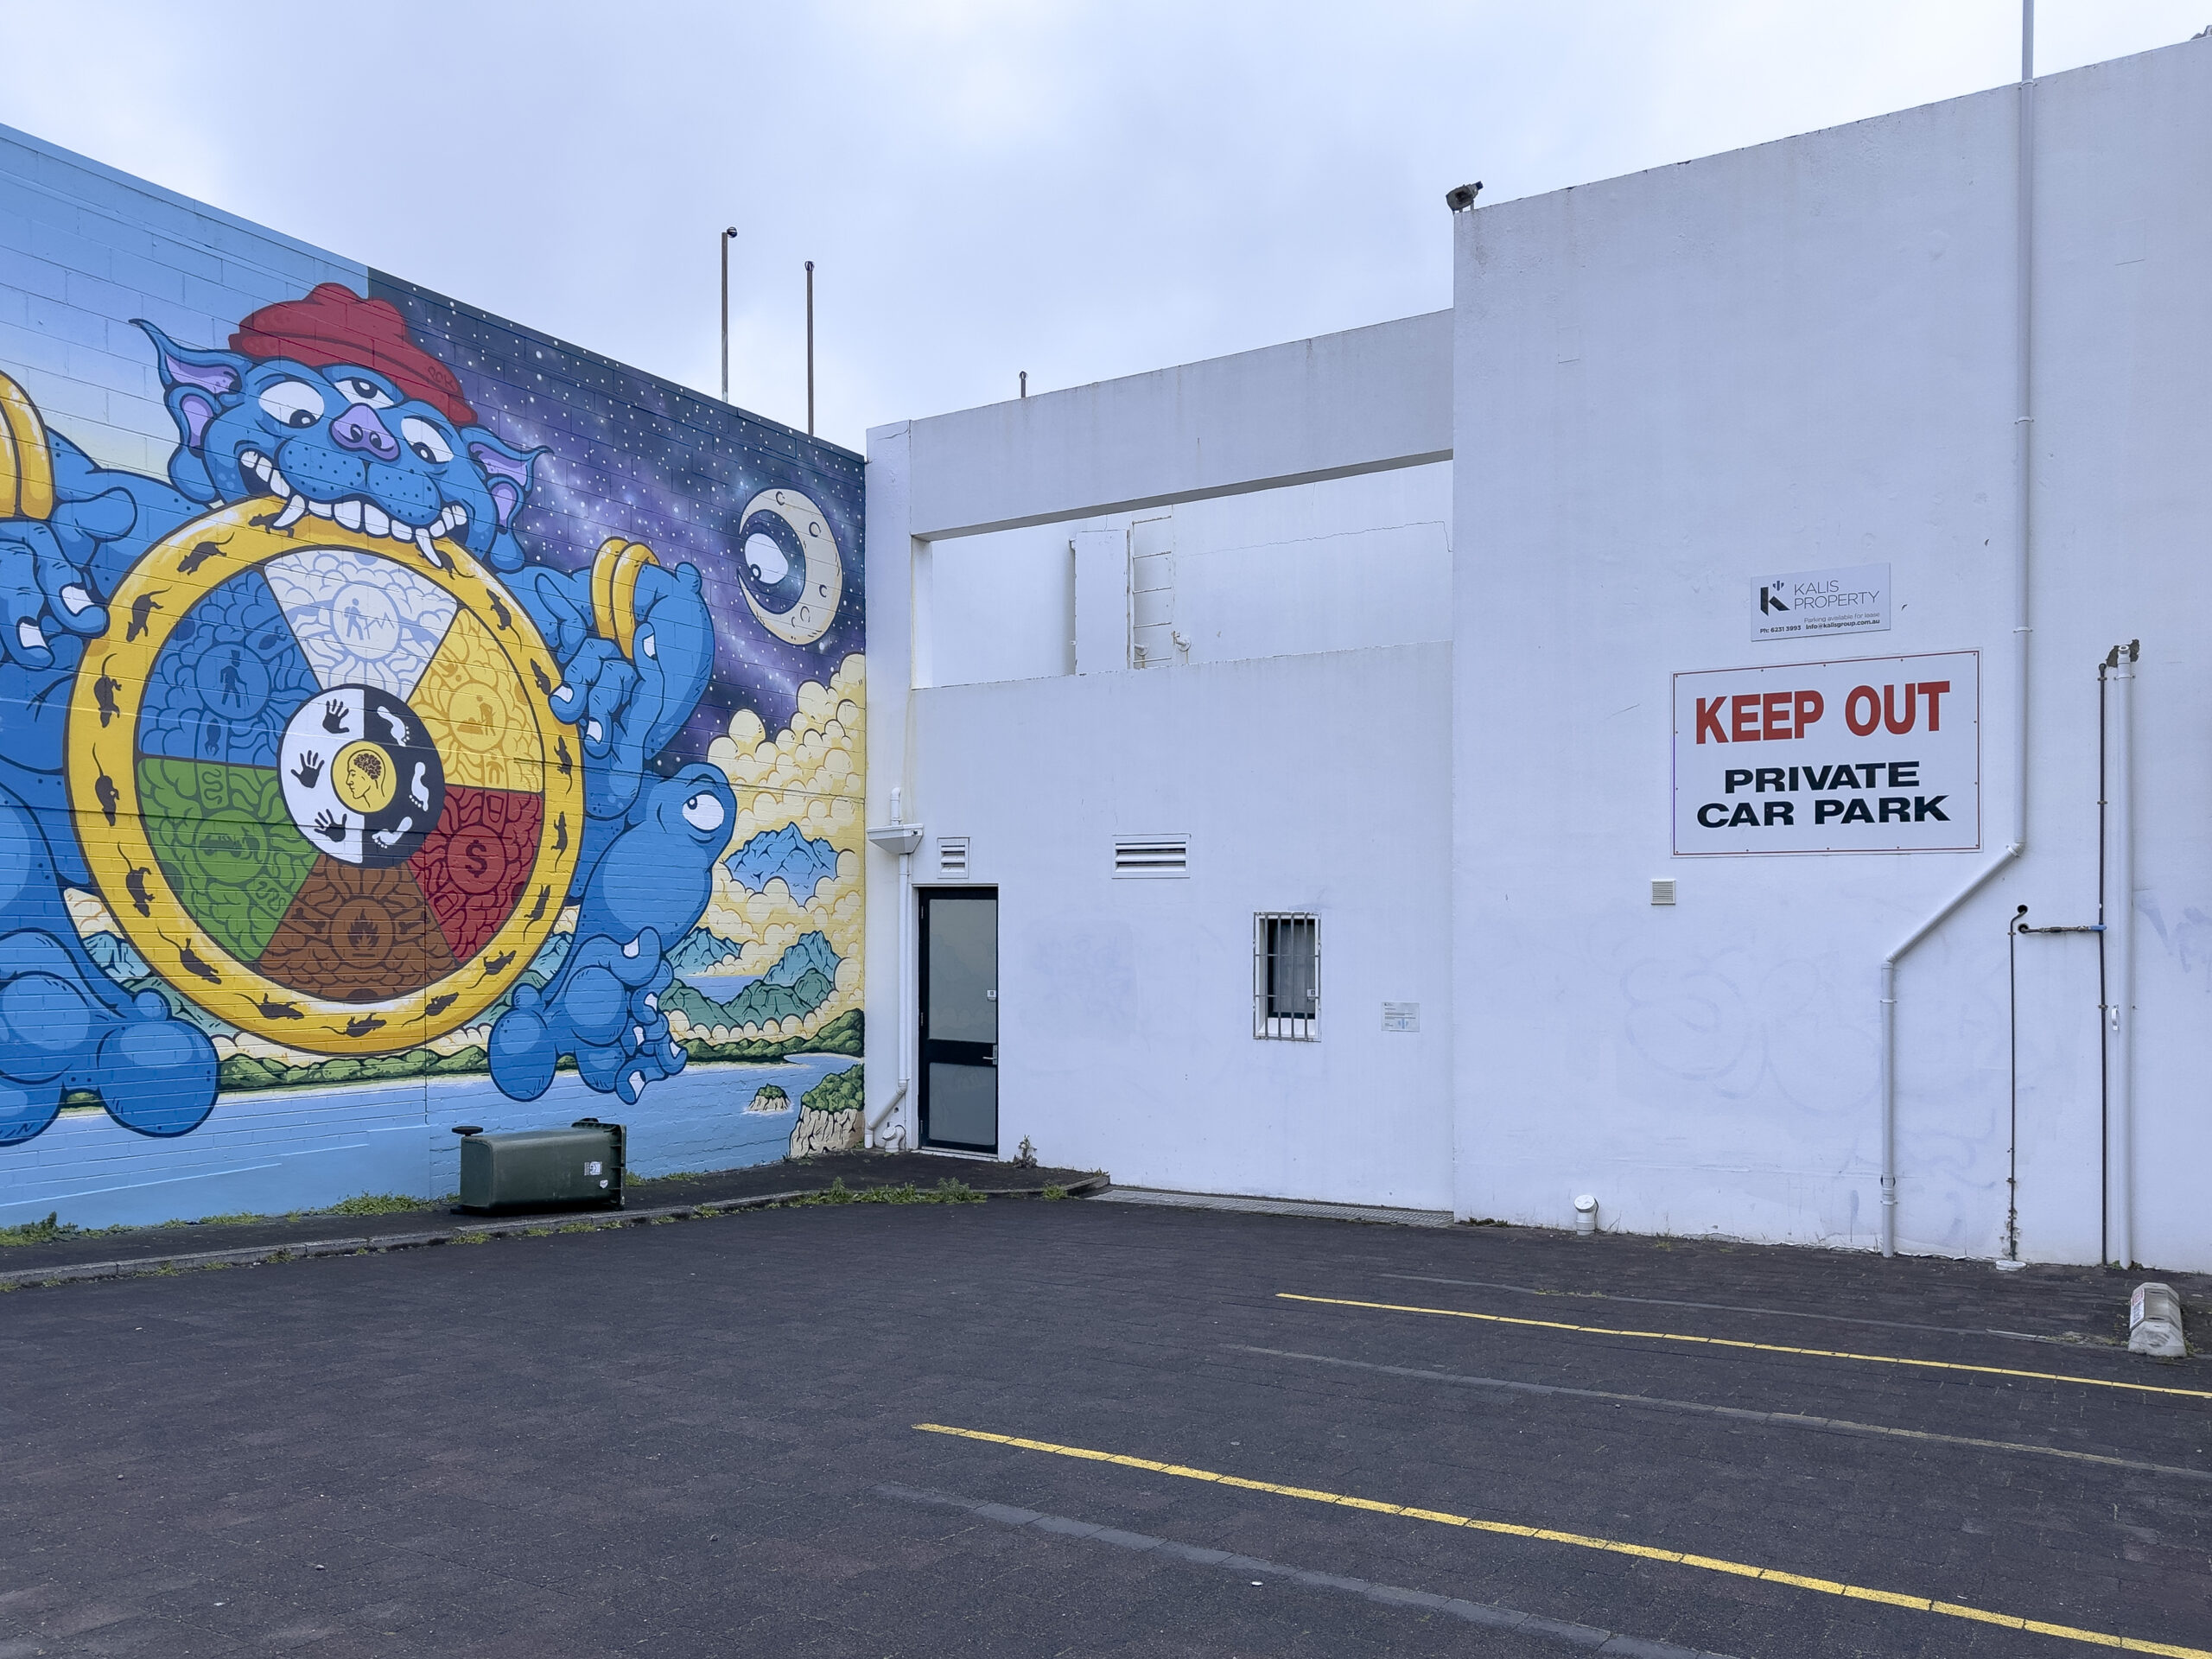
(1037, 1427)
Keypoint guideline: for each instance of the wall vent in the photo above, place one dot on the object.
(1152, 855)
(1663, 889)
(952, 858)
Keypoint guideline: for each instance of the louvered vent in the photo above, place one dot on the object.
(952, 858)
(1152, 855)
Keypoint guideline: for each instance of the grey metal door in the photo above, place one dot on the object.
(960, 1018)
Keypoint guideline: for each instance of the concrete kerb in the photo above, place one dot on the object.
(502, 1227)
(1322, 1210)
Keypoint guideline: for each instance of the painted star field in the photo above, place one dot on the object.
(641, 458)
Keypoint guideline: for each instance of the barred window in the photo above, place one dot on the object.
(1285, 976)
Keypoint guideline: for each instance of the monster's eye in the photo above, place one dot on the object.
(426, 440)
(294, 402)
(703, 811)
(365, 391)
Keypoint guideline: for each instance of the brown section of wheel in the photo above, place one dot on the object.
(356, 936)
(161, 1249)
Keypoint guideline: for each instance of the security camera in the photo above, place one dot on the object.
(1460, 199)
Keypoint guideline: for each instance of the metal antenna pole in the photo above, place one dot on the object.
(810, 348)
(727, 237)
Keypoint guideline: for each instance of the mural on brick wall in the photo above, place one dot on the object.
(458, 707)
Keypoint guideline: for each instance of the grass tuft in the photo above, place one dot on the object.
(946, 1191)
(41, 1232)
(379, 1203)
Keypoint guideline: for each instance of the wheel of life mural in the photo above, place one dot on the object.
(319, 782)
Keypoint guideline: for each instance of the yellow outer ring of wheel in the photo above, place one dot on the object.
(114, 851)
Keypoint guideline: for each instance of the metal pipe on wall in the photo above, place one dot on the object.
(2024, 456)
(880, 1130)
(909, 971)
(906, 1046)
(728, 235)
(2119, 944)
(810, 348)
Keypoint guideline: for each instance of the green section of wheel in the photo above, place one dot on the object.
(227, 847)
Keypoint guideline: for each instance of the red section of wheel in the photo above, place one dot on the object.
(475, 864)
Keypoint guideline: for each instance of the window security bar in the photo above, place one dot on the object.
(1285, 976)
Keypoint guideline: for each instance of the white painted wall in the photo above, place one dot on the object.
(1787, 358)
(1338, 564)
(1305, 783)
(1790, 357)
(1366, 400)
(1301, 496)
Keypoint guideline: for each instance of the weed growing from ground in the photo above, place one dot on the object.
(41, 1232)
(379, 1203)
(947, 1191)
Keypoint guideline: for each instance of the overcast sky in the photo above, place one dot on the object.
(1079, 190)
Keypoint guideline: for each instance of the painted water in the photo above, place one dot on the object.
(270, 1150)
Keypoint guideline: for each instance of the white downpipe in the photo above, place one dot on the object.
(2119, 944)
(878, 1133)
(2023, 458)
(907, 993)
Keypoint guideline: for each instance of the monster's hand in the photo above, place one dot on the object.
(600, 695)
(625, 708)
(45, 582)
(604, 1008)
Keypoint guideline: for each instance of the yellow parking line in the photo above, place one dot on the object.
(1584, 1541)
(1756, 1347)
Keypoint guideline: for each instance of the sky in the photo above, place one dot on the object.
(1078, 190)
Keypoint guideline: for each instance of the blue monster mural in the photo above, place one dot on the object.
(337, 743)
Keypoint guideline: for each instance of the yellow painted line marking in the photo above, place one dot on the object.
(1755, 1347)
(1585, 1541)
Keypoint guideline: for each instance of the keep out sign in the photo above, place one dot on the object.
(1876, 754)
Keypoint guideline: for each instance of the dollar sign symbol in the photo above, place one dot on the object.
(476, 862)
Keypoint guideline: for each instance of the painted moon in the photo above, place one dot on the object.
(788, 565)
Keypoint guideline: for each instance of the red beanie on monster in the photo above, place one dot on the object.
(335, 325)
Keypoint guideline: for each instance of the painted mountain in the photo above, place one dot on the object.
(128, 968)
(801, 982)
(804, 862)
(116, 959)
(702, 952)
(808, 951)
